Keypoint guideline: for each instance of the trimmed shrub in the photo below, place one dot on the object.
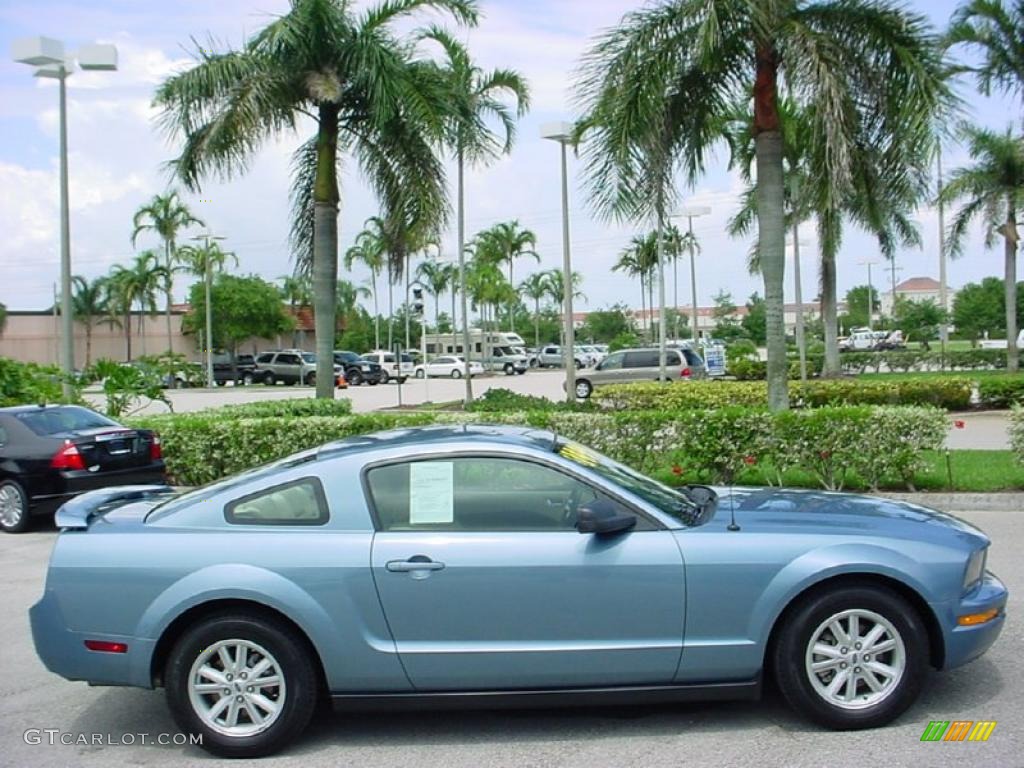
(498, 400)
(877, 443)
(300, 408)
(1001, 391)
(953, 394)
(1017, 432)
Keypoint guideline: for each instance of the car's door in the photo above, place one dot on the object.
(486, 584)
(288, 366)
(609, 369)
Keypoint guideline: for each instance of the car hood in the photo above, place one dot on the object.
(822, 512)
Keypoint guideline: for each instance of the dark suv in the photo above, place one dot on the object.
(241, 372)
(357, 370)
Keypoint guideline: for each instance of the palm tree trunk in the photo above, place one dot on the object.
(827, 235)
(455, 341)
(128, 335)
(512, 302)
(88, 340)
(325, 248)
(650, 305)
(536, 325)
(771, 224)
(391, 307)
(461, 214)
(168, 289)
(643, 307)
(1010, 252)
(376, 312)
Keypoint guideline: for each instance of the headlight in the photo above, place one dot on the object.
(975, 568)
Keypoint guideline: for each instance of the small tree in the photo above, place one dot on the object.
(755, 322)
(246, 307)
(919, 320)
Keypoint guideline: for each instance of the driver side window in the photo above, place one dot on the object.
(613, 361)
(476, 494)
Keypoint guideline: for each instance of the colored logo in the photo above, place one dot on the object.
(958, 730)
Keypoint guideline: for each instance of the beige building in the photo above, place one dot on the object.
(914, 289)
(33, 336)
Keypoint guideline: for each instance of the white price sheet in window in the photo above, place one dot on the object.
(431, 492)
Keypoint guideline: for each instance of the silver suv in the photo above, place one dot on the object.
(290, 366)
(641, 365)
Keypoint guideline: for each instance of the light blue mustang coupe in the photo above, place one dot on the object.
(490, 567)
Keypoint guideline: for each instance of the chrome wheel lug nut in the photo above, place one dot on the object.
(249, 689)
(844, 650)
(243, 675)
(843, 665)
(229, 677)
(867, 657)
(238, 699)
(227, 691)
(857, 646)
(856, 669)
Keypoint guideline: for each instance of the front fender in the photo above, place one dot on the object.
(824, 563)
(247, 582)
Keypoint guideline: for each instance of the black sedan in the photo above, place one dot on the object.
(49, 453)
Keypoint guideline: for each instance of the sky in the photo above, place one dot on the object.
(117, 157)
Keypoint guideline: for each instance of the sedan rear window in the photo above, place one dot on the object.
(72, 418)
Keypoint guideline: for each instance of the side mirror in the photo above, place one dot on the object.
(603, 517)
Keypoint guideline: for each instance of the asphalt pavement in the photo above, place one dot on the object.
(706, 735)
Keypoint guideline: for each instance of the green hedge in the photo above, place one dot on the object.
(301, 408)
(873, 362)
(877, 443)
(1001, 391)
(1017, 432)
(953, 394)
(31, 384)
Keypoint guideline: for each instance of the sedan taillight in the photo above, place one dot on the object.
(156, 451)
(67, 458)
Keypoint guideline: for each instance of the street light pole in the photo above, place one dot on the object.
(801, 339)
(562, 133)
(47, 55)
(871, 310)
(692, 213)
(943, 297)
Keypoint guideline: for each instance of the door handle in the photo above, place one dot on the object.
(418, 563)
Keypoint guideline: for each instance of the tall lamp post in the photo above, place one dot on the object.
(690, 213)
(943, 291)
(801, 339)
(206, 238)
(50, 60)
(562, 133)
(871, 290)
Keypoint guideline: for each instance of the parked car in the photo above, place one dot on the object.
(240, 371)
(489, 566)
(357, 370)
(289, 366)
(391, 369)
(50, 453)
(506, 360)
(891, 341)
(550, 356)
(641, 365)
(448, 365)
(1001, 343)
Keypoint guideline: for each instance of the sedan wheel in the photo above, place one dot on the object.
(583, 389)
(421, 374)
(14, 517)
(247, 685)
(855, 657)
(456, 373)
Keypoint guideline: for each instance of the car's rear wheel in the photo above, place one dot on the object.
(311, 379)
(853, 657)
(247, 380)
(583, 389)
(355, 378)
(509, 369)
(14, 512)
(421, 374)
(384, 377)
(269, 380)
(246, 685)
(456, 373)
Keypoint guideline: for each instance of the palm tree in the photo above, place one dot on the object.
(993, 187)
(89, 301)
(556, 289)
(166, 215)
(994, 31)
(506, 242)
(536, 287)
(663, 81)
(475, 98)
(297, 291)
(136, 284)
(639, 259)
(350, 73)
(349, 295)
(367, 251)
(202, 261)
(438, 277)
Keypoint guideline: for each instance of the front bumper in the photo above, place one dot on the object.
(966, 643)
(63, 650)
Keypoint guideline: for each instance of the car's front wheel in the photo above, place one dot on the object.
(246, 685)
(456, 373)
(14, 513)
(355, 378)
(269, 380)
(853, 657)
(583, 389)
(421, 374)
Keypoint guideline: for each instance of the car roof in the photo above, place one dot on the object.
(12, 409)
(438, 435)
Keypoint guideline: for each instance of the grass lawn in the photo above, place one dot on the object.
(972, 471)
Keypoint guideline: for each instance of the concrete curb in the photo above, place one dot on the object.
(1011, 501)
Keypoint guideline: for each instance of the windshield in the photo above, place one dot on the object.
(668, 500)
(52, 421)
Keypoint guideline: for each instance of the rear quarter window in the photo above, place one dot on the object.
(300, 502)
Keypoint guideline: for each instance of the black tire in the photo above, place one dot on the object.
(533, 363)
(456, 373)
(269, 380)
(247, 380)
(373, 382)
(310, 379)
(292, 655)
(509, 369)
(421, 374)
(18, 517)
(800, 627)
(354, 377)
(583, 389)
(384, 377)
